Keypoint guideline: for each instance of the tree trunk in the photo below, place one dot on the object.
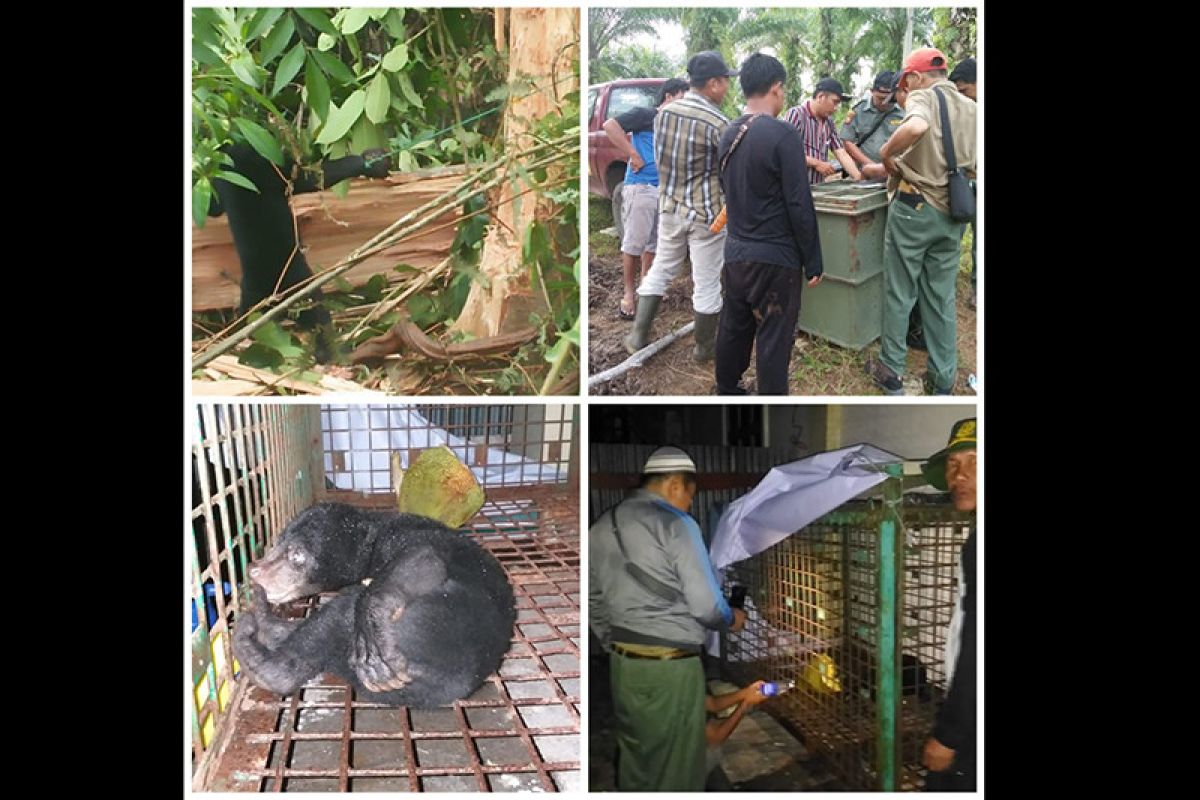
(908, 33)
(825, 48)
(542, 43)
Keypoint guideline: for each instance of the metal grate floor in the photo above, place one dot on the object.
(518, 732)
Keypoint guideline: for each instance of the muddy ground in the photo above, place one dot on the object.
(818, 367)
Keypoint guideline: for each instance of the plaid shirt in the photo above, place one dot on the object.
(820, 136)
(686, 134)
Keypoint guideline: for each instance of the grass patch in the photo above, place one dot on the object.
(599, 213)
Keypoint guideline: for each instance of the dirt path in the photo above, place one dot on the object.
(818, 367)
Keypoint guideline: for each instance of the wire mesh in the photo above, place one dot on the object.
(813, 618)
(520, 730)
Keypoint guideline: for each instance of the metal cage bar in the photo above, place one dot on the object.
(519, 731)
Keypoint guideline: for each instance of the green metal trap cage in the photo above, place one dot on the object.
(255, 467)
(855, 609)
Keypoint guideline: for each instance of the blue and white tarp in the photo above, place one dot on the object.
(793, 495)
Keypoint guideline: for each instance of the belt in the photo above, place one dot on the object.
(625, 651)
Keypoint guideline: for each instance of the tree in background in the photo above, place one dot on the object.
(633, 61)
(954, 32)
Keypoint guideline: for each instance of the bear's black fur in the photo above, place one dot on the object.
(434, 621)
(261, 223)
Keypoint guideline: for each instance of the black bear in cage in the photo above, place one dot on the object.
(422, 615)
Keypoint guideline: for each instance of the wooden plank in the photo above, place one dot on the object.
(330, 229)
(229, 366)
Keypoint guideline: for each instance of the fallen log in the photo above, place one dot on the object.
(640, 357)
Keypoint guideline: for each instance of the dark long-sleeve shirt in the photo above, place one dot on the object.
(768, 200)
(955, 725)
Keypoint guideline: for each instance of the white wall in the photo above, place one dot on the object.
(913, 432)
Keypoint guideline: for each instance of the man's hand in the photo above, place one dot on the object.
(637, 162)
(824, 168)
(376, 163)
(937, 757)
(814, 281)
(752, 695)
(875, 172)
(889, 164)
(739, 620)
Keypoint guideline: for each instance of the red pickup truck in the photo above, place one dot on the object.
(606, 164)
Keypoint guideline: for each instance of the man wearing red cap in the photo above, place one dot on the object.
(921, 243)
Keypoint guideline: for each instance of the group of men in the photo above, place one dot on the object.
(689, 166)
(653, 595)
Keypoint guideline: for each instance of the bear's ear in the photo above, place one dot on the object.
(421, 571)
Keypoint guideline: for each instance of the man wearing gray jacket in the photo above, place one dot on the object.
(652, 597)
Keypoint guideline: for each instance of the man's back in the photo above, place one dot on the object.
(924, 165)
(686, 133)
(666, 545)
(771, 219)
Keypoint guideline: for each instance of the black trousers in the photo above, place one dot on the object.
(959, 778)
(762, 303)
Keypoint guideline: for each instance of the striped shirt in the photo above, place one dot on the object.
(820, 136)
(686, 134)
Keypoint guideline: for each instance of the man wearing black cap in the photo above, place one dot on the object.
(686, 133)
(652, 597)
(949, 753)
(871, 121)
(814, 119)
(773, 245)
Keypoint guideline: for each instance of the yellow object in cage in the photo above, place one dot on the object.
(821, 673)
(206, 730)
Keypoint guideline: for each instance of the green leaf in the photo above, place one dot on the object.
(238, 180)
(318, 19)
(379, 97)
(260, 356)
(277, 40)
(342, 285)
(405, 268)
(556, 351)
(354, 19)
(267, 18)
(394, 23)
(334, 68)
(340, 119)
(317, 88)
(499, 93)
(261, 140)
(421, 310)
(204, 54)
(572, 336)
(289, 65)
(407, 88)
(279, 340)
(325, 42)
(379, 13)
(245, 69)
(201, 195)
(405, 162)
(396, 58)
(374, 288)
